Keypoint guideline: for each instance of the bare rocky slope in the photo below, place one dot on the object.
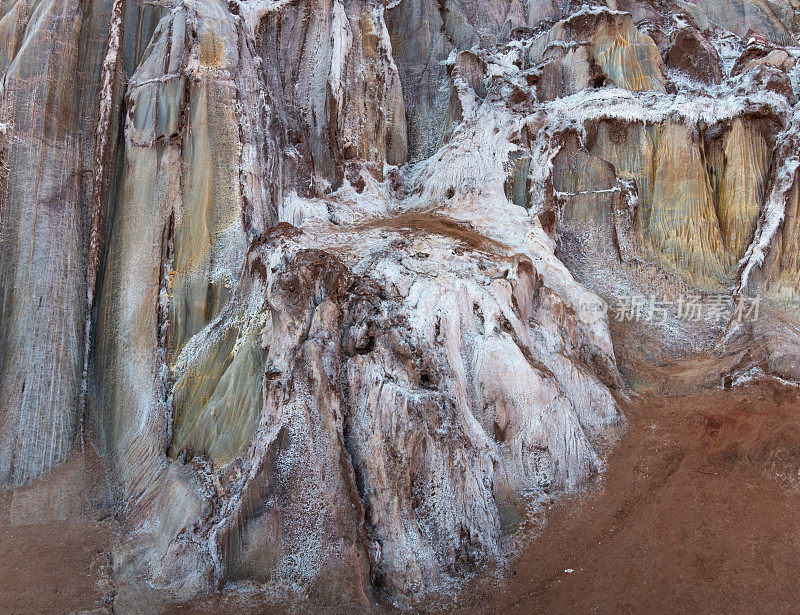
(308, 280)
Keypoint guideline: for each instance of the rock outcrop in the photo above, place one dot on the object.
(694, 56)
(323, 282)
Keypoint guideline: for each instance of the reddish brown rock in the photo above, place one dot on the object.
(693, 56)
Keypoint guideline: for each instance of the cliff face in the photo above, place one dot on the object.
(311, 276)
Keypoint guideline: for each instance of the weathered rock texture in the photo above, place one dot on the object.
(311, 276)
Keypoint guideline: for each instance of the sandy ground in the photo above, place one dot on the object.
(55, 567)
(697, 512)
(55, 541)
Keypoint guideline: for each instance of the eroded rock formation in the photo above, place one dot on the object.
(311, 276)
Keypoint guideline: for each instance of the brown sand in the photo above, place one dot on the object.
(56, 567)
(698, 512)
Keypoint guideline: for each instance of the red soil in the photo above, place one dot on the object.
(698, 512)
